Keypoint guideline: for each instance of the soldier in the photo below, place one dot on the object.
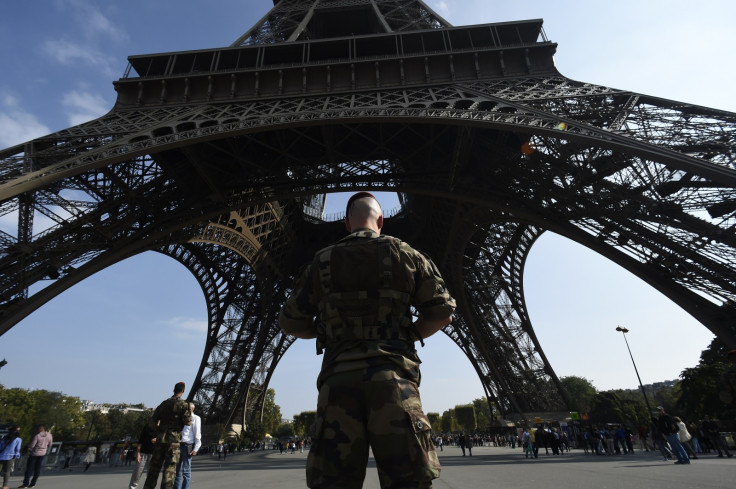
(361, 290)
(171, 415)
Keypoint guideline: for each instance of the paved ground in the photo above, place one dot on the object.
(489, 467)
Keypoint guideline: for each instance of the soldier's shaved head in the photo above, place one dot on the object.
(363, 211)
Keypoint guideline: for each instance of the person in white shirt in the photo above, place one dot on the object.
(191, 440)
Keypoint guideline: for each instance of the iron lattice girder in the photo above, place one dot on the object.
(390, 61)
(453, 103)
(292, 20)
(242, 347)
(494, 330)
(626, 170)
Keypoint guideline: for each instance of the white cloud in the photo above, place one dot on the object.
(188, 328)
(97, 23)
(84, 107)
(68, 52)
(16, 125)
(93, 22)
(441, 8)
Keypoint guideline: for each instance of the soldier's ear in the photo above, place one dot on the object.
(347, 225)
(379, 222)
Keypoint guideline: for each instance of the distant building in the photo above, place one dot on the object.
(105, 408)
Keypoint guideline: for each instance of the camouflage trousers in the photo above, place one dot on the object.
(166, 456)
(355, 413)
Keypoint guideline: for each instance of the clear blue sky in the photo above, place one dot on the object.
(130, 332)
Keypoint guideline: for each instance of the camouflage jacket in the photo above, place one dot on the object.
(172, 415)
(356, 297)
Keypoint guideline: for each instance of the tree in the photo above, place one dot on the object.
(606, 407)
(271, 412)
(699, 392)
(284, 430)
(124, 424)
(466, 417)
(256, 431)
(699, 386)
(220, 431)
(435, 421)
(303, 423)
(61, 415)
(97, 425)
(483, 413)
(448, 421)
(17, 407)
(581, 392)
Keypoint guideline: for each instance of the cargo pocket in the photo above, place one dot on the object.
(423, 453)
(315, 459)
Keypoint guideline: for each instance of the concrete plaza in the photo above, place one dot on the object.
(488, 467)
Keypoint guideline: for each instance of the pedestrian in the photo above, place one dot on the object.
(191, 440)
(685, 438)
(714, 435)
(526, 443)
(469, 444)
(171, 415)
(90, 458)
(361, 291)
(37, 450)
(144, 450)
(9, 452)
(671, 431)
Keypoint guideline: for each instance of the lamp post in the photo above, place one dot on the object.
(646, 401)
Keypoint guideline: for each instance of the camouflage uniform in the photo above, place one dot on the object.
(172, 415)
(361, 290)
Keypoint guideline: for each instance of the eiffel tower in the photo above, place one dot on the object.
(222, 158)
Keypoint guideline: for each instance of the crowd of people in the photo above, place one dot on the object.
(10, 452)
(695, 438)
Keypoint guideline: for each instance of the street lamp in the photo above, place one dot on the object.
(646, 401)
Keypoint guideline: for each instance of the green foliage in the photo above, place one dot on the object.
(483, 414)
(700, 386)
(700, 389)
(256, 431)
(64, 418)
(97, 425)
(581, 392)
(667, 398)
(284, 430)
(620, 406)
(465, 416)
(221, 431)
(271, 412)
(116, 424)
(268, 421)
(448, 422)
(435, 421)
(715, 353)
(61, 415)
(18, 407)
(303, 423)
(607, 408)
